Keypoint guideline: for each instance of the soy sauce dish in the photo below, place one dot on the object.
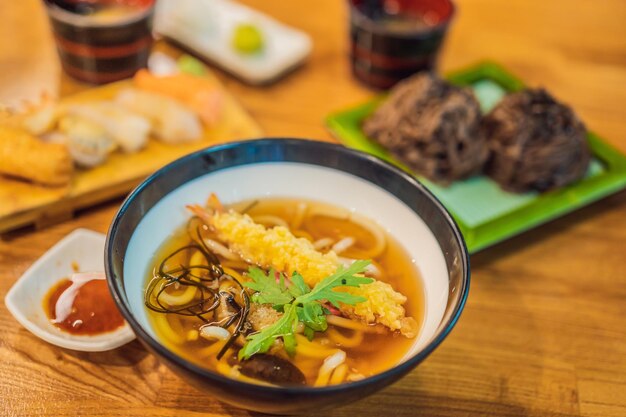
(281, 275)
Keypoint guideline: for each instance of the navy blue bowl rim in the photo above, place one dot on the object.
(400, 369)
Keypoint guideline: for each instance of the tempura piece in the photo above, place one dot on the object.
(278, 248)
(23, 155)
(384, 305)
(262, 316)
(129, 131)
(198, 93)
(88, 143)
(536, 143)
(172, 122)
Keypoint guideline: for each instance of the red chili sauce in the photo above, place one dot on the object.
(93, 310)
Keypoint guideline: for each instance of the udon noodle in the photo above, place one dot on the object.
(207, 304)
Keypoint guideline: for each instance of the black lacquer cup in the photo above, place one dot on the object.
(98, 48)
(393, 39)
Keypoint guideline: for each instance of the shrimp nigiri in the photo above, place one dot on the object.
(172, 122)
(130, 131)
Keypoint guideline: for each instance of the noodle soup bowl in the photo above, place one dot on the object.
(289, 168)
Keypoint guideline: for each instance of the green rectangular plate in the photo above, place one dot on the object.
(484, 212)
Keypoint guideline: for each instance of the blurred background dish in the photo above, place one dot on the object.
(116, 135)
(485, 212)
(249, 44)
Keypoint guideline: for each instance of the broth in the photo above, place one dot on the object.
(375, 350)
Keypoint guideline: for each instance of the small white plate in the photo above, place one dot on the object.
(206, 27)
(24, 300)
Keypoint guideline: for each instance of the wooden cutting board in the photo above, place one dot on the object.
(23, 203)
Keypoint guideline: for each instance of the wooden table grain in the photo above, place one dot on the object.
(544, 329)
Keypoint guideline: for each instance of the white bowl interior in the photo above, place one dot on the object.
(293, 180)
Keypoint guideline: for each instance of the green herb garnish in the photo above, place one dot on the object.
(268, 291)
(299, 303)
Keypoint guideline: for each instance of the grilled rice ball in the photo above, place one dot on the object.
(431, 126)
(536, 143)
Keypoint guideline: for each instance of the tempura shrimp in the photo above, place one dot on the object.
(279, 249)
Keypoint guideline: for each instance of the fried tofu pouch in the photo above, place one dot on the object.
(24, 156)
(278, 248)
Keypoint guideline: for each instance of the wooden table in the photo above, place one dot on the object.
(543, 333)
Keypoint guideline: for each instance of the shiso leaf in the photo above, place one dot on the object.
(344, 277)
(262, 341)
(268, 291)
(305, 308)
(313, 317)
(299, 287)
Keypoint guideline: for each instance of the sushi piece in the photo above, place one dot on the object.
(24, 156)
(129, 131)
(536, 143)
(88, 143)
(431, 126)
(198, 93)
(172, 123)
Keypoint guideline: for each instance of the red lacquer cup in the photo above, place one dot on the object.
(393, 39)
(101, 41)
